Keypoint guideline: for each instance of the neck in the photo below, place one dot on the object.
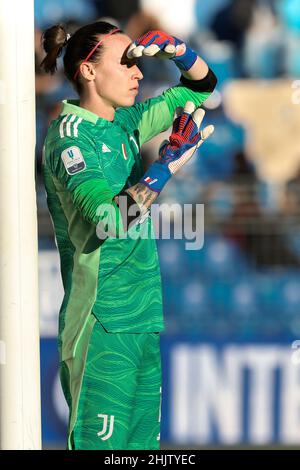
(95, 104)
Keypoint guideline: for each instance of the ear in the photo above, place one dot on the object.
(88, 71)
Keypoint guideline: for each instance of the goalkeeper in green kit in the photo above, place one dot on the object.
(111, 315)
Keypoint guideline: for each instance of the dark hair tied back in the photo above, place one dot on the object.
(54, 40)
(83, 41)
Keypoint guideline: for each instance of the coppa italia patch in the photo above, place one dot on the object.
(73, 160)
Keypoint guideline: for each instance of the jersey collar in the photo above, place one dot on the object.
(72, 107)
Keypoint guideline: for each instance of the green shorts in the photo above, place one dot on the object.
(113, 389)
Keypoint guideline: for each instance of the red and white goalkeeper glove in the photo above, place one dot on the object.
(157, 43)
(186, 137)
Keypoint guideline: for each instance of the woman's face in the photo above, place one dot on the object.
(117, 76)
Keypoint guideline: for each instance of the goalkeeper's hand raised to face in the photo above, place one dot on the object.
(184, 140)
(157, 43)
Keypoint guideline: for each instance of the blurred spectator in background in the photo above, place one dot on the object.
(206, 11)
(263, 47)
(116, 9)
(232, 21)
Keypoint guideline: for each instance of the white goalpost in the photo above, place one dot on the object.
(20, 415)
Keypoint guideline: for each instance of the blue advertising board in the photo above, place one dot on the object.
(229, 393)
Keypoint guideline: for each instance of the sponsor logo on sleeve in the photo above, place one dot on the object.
(73, 160)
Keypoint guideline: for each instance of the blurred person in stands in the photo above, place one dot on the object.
(232, 21)
(263, 51)
(230, 25)
(99, 198)
(119, 11)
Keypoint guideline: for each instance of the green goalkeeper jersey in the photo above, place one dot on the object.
(87, 162)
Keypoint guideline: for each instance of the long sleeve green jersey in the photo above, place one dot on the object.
(87, 162)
